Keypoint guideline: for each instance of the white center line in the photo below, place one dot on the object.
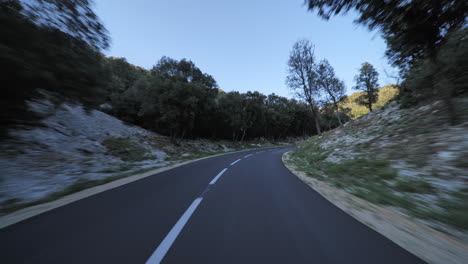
(217, 176)
(166, 244)
(248, 156)
(235, 162)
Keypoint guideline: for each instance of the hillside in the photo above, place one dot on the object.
(355, 110)
(75, 148)
(409, 161)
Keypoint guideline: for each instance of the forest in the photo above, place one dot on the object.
(42, 51)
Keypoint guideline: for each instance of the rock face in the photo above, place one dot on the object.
(418, 142)
(421, 145)
(67, 146)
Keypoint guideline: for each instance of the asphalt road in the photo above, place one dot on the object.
(209, 211)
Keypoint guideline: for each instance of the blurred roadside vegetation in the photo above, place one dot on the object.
(36, 53)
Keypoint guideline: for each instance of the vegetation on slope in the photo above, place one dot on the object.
(355, 110)
(405, 158)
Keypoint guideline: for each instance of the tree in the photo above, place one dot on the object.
(413, 29)
(279, 116)
(73, 17)
(302, 78)
(183, 95)
(122, 76)
(333, 88)
(366, 81)
(48, 45)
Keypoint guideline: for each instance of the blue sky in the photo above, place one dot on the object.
(243, 44)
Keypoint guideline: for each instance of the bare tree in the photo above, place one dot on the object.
(333, 89)
(302, 78)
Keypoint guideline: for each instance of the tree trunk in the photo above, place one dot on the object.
(339, 118)
(243, 135)
(338, 114)
(316, 120)
(317, 125)
(183, 134)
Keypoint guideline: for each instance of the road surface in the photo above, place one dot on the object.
(243, 207)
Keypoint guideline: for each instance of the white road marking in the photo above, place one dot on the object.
(235, 162)
(248, 156)
(217, 176)
(166, 244)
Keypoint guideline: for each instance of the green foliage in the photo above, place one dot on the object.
(368, 179)
(427, 40)
(376, 181)
(414, 185)
(357, 171)
(316, 84)
(413, 29)
(37, 55)
(121, 77)
(176, 98)
(333, 89)
(442, 77)
(74, 17)
(385, 94)
(125, 149)
(454, 209)
(366, 81)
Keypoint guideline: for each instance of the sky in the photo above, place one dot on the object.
(243, 44)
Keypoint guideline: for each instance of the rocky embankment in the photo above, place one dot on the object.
(408, 161)
(74, 147)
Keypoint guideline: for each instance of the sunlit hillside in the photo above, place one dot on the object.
(386, 93)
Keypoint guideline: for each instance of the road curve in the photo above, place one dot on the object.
(243, 207)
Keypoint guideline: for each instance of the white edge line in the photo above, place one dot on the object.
(166, 244)
(248, 156)
(235, 162)
(217, 176)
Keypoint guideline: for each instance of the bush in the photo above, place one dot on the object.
(414, 185)
(441, 78)
(125, 149)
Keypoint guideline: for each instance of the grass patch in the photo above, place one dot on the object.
(125, 149)
(455, 209)
(121, 168)
(377, 182)
(384, 197)
(413, 185)
(368, 179)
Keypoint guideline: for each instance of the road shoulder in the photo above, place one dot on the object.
(428, 244)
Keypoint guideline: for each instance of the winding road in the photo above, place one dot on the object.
(243, 207)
